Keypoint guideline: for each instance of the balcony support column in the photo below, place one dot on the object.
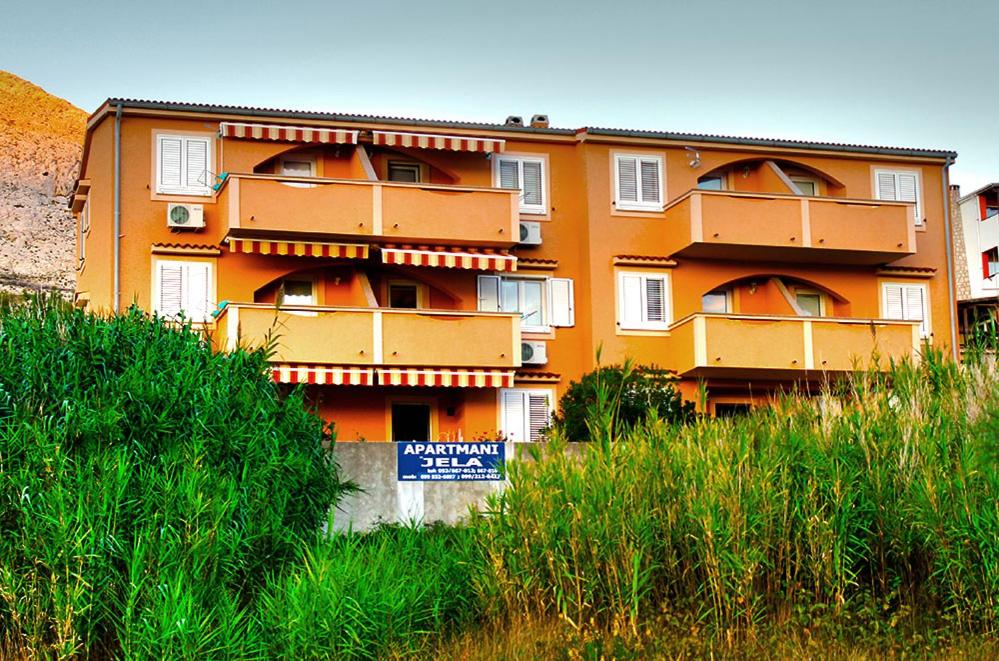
(376, 210)
(806, 329)
(232, 327)
(696, 220)
(376, 338)
(700, 341)
(806, 225)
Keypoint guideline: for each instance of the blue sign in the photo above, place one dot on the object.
(450, 462)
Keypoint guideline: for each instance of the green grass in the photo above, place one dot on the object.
(870, 499)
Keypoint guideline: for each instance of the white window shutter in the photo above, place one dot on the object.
(509, 174)
(894, 307)
(631, 300)
(170, 163)
(627, 179)
(908, 191)
(651, 180)
(561, 302)
(539, 414)
(514, 420)
(170, 298)
(655, 300)
(915, 307)
(887, 189)
(198, 290)
(196, 174)
(533, 193)
(489, 286)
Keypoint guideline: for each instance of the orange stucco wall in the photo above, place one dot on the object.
(581, 230)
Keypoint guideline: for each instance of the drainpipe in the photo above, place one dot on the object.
(950, 257)
(117, 208)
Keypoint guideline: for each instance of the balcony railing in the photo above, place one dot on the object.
(765, 226)
(374, 336)
(742, 346)
(268, 206)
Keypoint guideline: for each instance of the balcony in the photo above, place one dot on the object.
(773, 347)
(775, 227)
(375, 336)
(270, 206)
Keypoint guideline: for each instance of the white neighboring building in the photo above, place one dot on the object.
(980, 228)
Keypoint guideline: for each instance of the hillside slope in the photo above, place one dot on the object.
(41, 142)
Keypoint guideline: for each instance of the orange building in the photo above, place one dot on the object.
(448, 280)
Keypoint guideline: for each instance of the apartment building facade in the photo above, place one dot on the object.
(977, 227)
(445, 280)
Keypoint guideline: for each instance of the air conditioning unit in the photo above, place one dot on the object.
(530, 233)
(186, 216)
(533, 353)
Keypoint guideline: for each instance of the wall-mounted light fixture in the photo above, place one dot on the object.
(693, 157)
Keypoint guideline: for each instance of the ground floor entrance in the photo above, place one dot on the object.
(410, 421)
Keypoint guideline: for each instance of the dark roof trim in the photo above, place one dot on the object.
(769, 142)
(325, 116)
(595, 131)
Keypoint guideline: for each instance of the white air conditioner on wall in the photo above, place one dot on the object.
(185, 216)
(533, 353)
(530, 233)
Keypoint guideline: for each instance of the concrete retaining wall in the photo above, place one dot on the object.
(372, 466)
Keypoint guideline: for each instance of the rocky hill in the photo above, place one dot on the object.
(41, 141)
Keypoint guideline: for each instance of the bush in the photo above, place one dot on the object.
(148, 486)
(632, 393)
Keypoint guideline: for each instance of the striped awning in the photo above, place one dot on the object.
(287, 133)
(299, 248)
(449, 259)
(323, 375)
(447, 378)
(430, 141)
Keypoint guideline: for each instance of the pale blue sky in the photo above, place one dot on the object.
(895, 72)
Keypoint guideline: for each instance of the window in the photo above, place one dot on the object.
(541, 302)
(638, 182)
(711, 182)
(991, 211)
(987, 208)
(404, 172)
(403, 295)
(524, 413)
(183, 289)
(297, 292)
(717, 301)
(909, 302)
(643, 301)
(525, 174)
(990, 263)
(809, 302)
(183, 165)
(808, 186)
(901, 186)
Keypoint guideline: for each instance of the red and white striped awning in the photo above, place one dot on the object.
(430, 141)
(447, 378)
(299, 248)
(449, 259)
(287, 133)
(323, 375)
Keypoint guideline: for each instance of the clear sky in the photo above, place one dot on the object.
(916, 73)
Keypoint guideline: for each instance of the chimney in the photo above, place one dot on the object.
(539, 122)
(514, 120)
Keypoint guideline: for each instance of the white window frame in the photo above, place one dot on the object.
(926, 327)
(548, 316)
(919, 188)
(640, 205)
(797, 179)
(201, 191)
(525, 432)
(212, 294)
(525, 208)
(412, 166)
(728, 300)
(811, 292)
(645, 323)
(720, 177)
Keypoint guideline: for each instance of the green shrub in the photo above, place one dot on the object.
(148, 486)
(631, 393)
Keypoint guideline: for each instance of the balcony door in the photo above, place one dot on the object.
(411, 421)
